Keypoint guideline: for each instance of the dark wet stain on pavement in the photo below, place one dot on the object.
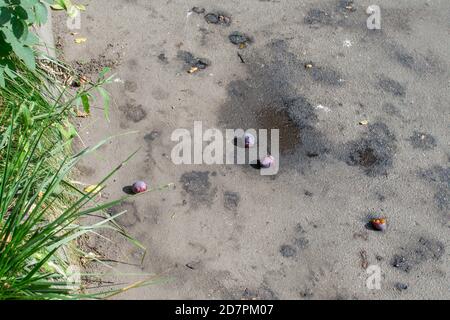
(231, 200)
(344, 14)
(439, 177)
(198, 186)
(374, 152)
(266, 99)
(162, 58)
(326, 76)
(130, 217)
(422, 251)
(191, 61)
(317, 16)
(422, 141)
(152, 136)
(279, 118)
(133, 112)
(288, 251)
(413, 60)
(131, 86)
(392, 86)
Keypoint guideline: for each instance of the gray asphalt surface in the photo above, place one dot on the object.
(224, 231)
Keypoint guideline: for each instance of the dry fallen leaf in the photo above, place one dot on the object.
(81, 114)
(364, 122)
(80, 40)
(83, 79)
(364, 260)
(93, 188)
(9, 238)
(193, 69)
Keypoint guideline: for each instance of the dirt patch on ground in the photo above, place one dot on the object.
(111, 58)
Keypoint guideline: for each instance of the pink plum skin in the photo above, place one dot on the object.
(268, 161)
(139, 186)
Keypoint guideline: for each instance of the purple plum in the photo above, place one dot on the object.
(139, 186)
(267, 162)
(249, 140)
(379, 224)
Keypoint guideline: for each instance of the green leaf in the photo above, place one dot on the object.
(31, 39)
(106, 101)
(26, 115)
(2, 77)
(104, 72)
(67, 3)
(19, 28)
(26, 54)
(5, 15)
(28, 6)
(62, 5)
(85, 101)
(5, 48)
(57, 7)
(8, 36)
(41, 13)
(9, 68)
(80, 7)
(20, 12)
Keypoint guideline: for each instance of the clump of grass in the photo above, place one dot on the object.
(40, 209)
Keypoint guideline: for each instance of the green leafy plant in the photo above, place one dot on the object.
(41, 210)
(16, 19)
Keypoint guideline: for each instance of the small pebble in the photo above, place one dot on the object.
(198, 10)
(216, 18)
(401, 286)
(238, 38)
(212, 18)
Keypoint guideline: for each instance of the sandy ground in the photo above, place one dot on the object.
(224, 231)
